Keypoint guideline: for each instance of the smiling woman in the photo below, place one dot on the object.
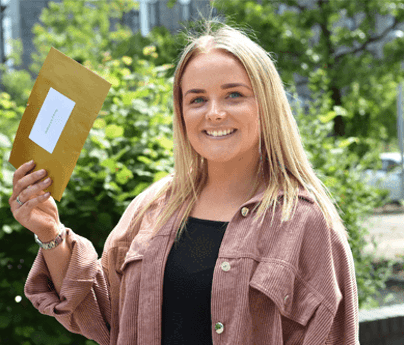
(243, 275)
(223, 126)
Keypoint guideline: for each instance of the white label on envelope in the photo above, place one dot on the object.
(51, 120)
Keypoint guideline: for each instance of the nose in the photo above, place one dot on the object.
(215, 112)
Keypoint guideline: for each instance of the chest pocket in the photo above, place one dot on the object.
(291, 295)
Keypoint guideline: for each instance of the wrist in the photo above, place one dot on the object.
(51, 240)
(48, 236)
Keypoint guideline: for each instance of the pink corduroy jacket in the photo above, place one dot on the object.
(282, 284)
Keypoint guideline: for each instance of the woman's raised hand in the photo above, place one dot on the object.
(39, 212)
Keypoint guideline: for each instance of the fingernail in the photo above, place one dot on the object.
(31, 162)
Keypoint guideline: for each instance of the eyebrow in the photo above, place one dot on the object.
(224, 86)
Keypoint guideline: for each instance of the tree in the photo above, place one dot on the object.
(339, 170)
(82, 30)
(362, 86)
(129, 147)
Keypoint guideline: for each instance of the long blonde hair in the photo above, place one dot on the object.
(283, 163)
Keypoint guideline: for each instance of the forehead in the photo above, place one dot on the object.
(215, 64)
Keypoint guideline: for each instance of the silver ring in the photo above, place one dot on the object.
(18, 200)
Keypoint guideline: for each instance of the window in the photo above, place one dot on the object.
(154, 13)
(5, 48)
(185, 10)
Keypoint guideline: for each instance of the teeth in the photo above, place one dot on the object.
(220, 133)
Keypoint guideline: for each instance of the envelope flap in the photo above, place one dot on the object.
(75, 81)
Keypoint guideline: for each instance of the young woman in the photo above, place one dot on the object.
(265, 257)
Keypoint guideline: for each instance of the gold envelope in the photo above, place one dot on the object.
(63, 105)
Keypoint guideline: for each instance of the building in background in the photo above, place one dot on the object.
(20, 16)
(5, 30)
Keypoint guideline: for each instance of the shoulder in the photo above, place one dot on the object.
(121, 236)
(325, 254)
(310, 214)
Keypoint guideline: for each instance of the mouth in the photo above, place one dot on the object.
(221, 136)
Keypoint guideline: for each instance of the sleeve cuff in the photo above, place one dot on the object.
(77, 284)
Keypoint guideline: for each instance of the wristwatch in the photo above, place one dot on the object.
(55, 242)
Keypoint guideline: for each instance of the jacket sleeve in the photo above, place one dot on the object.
(88, 301)
(345, 325)
(84, 303)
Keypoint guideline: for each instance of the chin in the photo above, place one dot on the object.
(219, 159)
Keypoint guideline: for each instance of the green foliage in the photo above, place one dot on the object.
(341, 171)
(80, 29)
(362, 83)
(163, 47)
(171, 3)
(130, 144)
(129, 147)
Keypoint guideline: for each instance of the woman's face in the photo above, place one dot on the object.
(218, 96)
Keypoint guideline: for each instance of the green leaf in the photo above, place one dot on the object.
(340, 110)
(110, 163)
(348, 141)
(128, 97)
(328, 117)
(140, 187)
(171, 3)
(166, 143)
(114, 80)
(99, 123)
(158, 176)
(113, 131)
(124, 175)
(144, 160)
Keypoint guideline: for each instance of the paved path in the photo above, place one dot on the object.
(388, 231)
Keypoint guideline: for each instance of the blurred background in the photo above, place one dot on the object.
(342, 65)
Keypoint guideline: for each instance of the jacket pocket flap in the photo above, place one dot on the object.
(292, 296)
(129, 259)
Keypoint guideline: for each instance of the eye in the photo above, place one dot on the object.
(236, 93)
(195, 99)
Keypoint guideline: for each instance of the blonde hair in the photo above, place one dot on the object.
(283, 160)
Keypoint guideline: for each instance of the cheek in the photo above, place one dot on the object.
(190, 125)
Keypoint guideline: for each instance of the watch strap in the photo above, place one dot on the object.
(54, 243)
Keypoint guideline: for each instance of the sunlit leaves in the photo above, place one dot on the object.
(113, 131)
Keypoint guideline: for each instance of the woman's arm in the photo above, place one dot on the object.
(78, 298)
(57, 259)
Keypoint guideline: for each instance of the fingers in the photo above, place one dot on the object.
(24, 178)
(32, 203)
(36, 189)
(22, 171)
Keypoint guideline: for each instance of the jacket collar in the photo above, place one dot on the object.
(303, 194)
(258, 196)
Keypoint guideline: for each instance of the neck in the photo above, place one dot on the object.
(234, 179)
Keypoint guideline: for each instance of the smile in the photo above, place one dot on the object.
(219, 135)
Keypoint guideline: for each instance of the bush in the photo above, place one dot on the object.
(341, 171)
(129, 147)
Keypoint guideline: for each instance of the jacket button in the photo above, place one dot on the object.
(244, 211)
(225, 266)
(219, 327)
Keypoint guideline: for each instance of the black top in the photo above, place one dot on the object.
(187, 285)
